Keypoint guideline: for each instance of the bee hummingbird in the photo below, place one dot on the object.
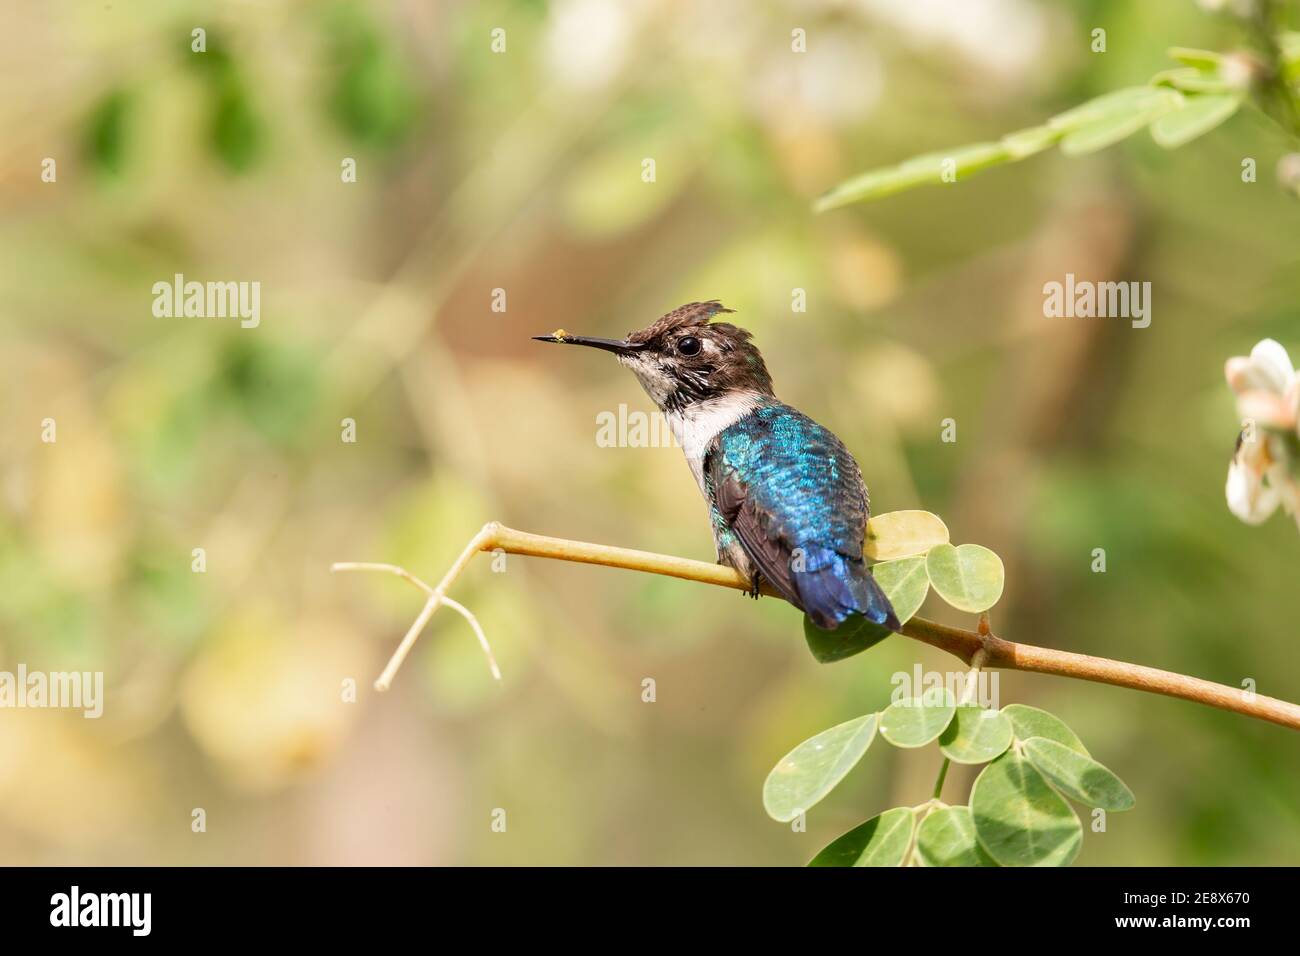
(786, 499)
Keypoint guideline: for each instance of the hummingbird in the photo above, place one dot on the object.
(786, 499)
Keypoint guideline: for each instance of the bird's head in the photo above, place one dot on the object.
(684, 358)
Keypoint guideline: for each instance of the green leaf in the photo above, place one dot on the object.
(1206, 60)
(966, 160)
(1019, 819)
(947, 166)
(373, 96)
(976, 735)
(1029, 722)
(107, 131)
(919, 720)
(854, 636)
(1090, 126)
(1077, 776)
(1188, 80)
(881, 841)
(811, 770)
(878, 183)
(1130, 101)
(236, 133)
(946, 837)
(1110, 130)
(1198, 115)
(905, 582)
(1175, 78)
(1027, 142)
(901, 534)
(969, 577)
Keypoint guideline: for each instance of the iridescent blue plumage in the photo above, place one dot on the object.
(788, 493)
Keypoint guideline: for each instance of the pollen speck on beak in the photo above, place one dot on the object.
(559, 335)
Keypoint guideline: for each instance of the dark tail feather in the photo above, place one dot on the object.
(832, 588)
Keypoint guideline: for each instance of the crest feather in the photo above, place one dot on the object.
(690, 315)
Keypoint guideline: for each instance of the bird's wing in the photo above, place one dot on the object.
(769, 554)
(791, 492)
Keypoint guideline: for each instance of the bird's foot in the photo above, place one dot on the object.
(755, 586)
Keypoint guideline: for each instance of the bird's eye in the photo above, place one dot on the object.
(689, 345)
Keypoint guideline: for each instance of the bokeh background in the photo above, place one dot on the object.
(522, 171)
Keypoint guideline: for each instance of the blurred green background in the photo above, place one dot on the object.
(521, 171)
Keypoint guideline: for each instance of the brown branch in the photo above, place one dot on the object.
(964, 644)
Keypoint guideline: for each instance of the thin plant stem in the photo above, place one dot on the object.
(943, 775)
(973, 648)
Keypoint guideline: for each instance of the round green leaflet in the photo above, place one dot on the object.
(917, 721)
(1019, 819)
(881, 841)
(902, 534)
(976, 735)
(1029, 722)
(969, 577)
(811, 770)
(946, 837)
(852, 637)
(905, 582)
(1078, 777)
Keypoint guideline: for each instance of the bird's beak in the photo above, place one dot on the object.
(617, 346)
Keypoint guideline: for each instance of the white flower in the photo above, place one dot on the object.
(1264, 466)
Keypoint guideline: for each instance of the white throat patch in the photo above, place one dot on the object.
(697, 425)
